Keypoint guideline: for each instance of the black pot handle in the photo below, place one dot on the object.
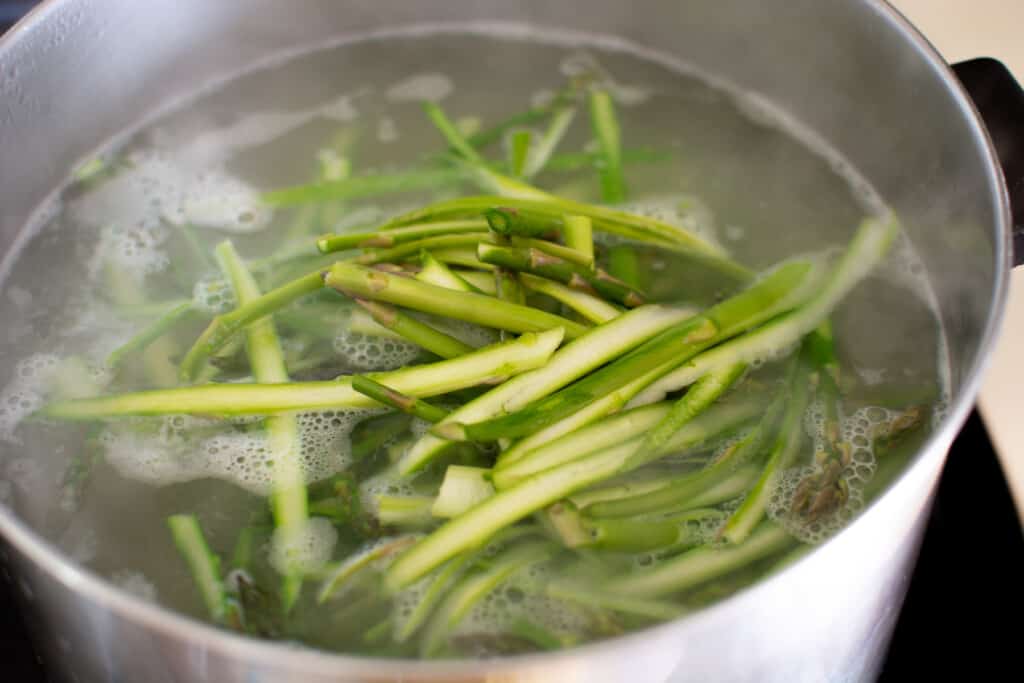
(1000, 101)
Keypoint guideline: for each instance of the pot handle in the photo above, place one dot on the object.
(1000, 101)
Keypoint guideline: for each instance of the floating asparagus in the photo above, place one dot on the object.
(588, 306)
(204, 565)
(411, 329)
(606, 130)
(397, 400)
(391, 238)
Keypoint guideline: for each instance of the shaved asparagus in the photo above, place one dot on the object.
(596, 347)
(592, 308)
(202, 562)
(151, 333)
(499, 360)
(542, 149)
(579, 236)
(435, 272)
(391, 238)
(606, 130)
(451, 134)
(519, 148)
(411, 329)
(406, 249)
(618, 602)
(462, 488)
(358, 281)
(777, 292)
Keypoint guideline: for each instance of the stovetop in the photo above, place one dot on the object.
(966, 594)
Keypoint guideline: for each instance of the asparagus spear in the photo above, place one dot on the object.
(397, 400)
(369, 185)
(361, 282)
(618, 602)
(592, 308)
(579, 236)
(404, 511)
(528, 352)
(406, 249)
(451, 134)
(413, 330)
(391, 238)
(462, 488)
(509, 221)
(540, 152)
(776, 293)
(151, 333)
(606, 130)
(435, 272)
(361, 561)
(540, 263)
(702, 564)
(289, 501)
(202, 562)
(624, 264)
(519, 147)
(576, 359)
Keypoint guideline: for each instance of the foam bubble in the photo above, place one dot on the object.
(214, 296)
(26, 392)
(365, 352)
(308, 550)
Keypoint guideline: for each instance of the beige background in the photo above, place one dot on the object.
(962, 29)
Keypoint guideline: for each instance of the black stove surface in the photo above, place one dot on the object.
(966, 594)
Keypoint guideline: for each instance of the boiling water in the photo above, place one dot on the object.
(109, 245)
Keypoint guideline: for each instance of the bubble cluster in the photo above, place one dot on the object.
(685, 211)
(182, 448)
(307, 550)
(213, 296)
(133, 248)
(365, 352)
(135, 583)
(430, 87)
(26, 392)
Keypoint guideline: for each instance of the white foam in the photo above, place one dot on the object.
(365, 352)
(214, 296)
(26, 392)
(308, 550)
(431, 87)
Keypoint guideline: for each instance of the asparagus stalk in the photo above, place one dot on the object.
(223, 327)
(437, 273)
(633, 226)
(361, 561)
(617, 602)
(541, 151)
(776, 293)
(404, 511)
(126, 290)
(701, 395)
(415, 331)
(151, 333)
(359, 282)
(579, 236)
(624, 264)
(605, 125)
(390, 238)
(370, 185)
(519, 148)
(588, 306)
(451, 134)
(431, 596)
(526, 353)
(473, 588)
(289, 500)
(509, 221)
(553, 249)
(593, 501)
(481, 281)
(462, 488)
(461, 256)
(702, 564)
(630, 426)
(750, 513)
(406, 249)
(202, 562)
(397, 400)
(540, 263)
(578, 358)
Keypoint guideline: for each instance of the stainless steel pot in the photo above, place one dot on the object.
(76, 72)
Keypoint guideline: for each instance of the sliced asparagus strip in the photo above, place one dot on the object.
(413, 330)
(397, 400)
(391, 238)
(634, 226)
(701, 395)
(202, 562)
(151, 333)
(519, 147)
(451, 134)
(556, 250)
(541, 263)
(369, 185)
(866, 250)
(787, 443)
(499, 360)
(540, 152)
(579, 236)
(592, 308)
(628, 426)
(702, 564)
(401, 251)
(288, 500)
(461, 256)
(463, 487)
(360, 561)
(404, 511)
(360, 282)
(776, 293)
(605, 125)
(223, 327)
(441, 583)
(576, 359)
(481, 281)
(617, 602)
(624, 264)
(473, 588)
(435, 272)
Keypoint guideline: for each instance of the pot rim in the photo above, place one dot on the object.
(106, 595)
